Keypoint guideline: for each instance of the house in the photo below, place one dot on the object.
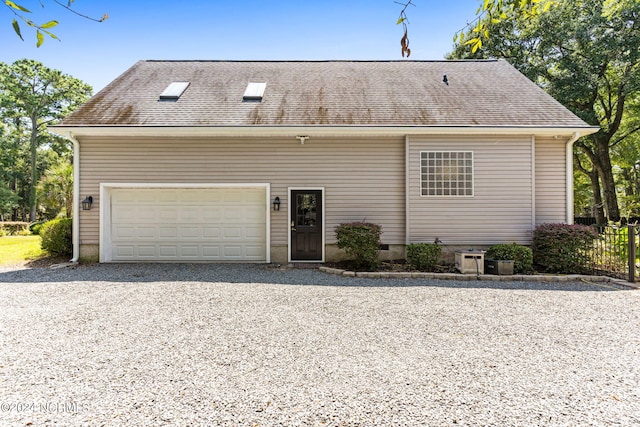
(260, 160)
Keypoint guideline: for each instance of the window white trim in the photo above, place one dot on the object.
(440, 160)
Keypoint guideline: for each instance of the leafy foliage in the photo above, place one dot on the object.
(36, 227)
(521, 256)
(361, 242)
(33, 96)
(56, 236)
(20, 12)
(14, 228)
(8, 201)
(55, 190)
(494, 12)
(491, 12)
(586, 54)
(423, 256)
(562, 248)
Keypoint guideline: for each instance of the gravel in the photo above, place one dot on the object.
(248, 345)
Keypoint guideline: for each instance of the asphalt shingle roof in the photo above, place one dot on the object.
(333, 93)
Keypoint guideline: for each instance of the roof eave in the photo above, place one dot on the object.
(315, 131)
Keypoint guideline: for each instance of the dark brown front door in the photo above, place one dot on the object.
(306, 225)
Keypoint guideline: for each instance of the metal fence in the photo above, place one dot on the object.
(615, 253)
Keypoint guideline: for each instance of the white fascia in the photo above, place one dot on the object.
(313, 131)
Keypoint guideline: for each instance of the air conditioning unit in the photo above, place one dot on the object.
(470, 262)
(499, 267)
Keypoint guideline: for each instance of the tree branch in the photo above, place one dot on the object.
(68, 7)
(615, 125)
(404, 20)
(623, 137)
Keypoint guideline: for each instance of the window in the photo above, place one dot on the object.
(254, 92)
(174, 91)
(446, 173)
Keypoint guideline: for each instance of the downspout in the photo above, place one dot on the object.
(569, 177)
(75, 233)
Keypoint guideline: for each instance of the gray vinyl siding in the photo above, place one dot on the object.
(551, 192)
(500, 211)
(363, 179)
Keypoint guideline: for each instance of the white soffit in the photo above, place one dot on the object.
(174, 90)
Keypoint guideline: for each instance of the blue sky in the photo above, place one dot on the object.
(232, 29)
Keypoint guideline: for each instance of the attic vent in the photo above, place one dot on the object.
(174, 90)
(254, 92)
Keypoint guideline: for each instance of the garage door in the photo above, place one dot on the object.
(185, 224)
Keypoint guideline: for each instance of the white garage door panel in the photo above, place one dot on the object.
(213, 224)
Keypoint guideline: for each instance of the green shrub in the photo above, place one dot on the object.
(15, 228)
(35, 227)
(56, 236)
(361, 242)
(423, 256)
(562, 248)
(521, 256)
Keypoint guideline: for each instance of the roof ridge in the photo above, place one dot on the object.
(323, 60)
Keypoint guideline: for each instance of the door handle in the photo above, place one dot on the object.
(293, 226)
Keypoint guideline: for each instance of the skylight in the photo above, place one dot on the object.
(174, 90)
(254, 92)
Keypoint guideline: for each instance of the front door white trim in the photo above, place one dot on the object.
(105, 207)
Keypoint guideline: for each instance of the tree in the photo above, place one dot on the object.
(626, 157)
(20, 15)
(55, 190)
(31, 97)
(8, 201)
(585, 53)
(14, 170)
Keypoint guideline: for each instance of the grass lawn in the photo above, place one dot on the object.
(19, 249)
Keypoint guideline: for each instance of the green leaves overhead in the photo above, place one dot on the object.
(495, 12)
(586, 54)
(476, 43)
(49, 24)
(16, 6)
(41, 29)
(16, 28)
(40, 38)
(491, 13)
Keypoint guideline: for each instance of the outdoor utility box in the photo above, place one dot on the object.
(498, 267)
(470, 262)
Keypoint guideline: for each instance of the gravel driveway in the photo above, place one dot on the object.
(244, 345)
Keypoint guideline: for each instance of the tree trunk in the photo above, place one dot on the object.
(598, 209)
(605, 171)
(629, 189)
(34, 170)
(598, 153)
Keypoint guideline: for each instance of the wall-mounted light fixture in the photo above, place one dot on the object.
(302, 138)
(86, 203)
(276, 204)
